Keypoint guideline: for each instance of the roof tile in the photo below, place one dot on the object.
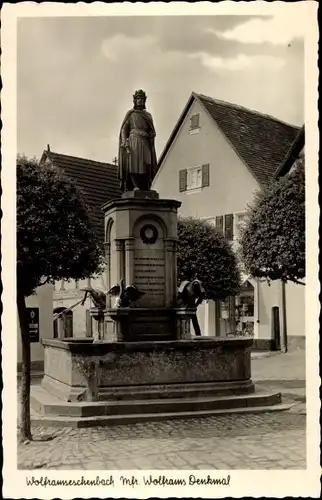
(98, 181)
(261, 141)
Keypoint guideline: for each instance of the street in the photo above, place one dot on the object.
(275, 440)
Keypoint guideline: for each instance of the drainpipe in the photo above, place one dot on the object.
(284, 320)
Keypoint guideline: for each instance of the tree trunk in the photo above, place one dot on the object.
(24, 424)
(284, 320)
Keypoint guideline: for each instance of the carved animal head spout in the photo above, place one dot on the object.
(125, 296)
(116, 291)
(132, 294)
(198, 289)
(98, 297)
(191, 293)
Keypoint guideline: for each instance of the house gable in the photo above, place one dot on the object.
(261, 141)
(229, 185)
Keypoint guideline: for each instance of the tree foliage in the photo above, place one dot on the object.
(273, 239)
(204, 253)
(55, 240)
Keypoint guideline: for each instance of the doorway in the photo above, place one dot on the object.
(63, 325)
(245, 309)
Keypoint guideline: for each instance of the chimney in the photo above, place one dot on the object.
(48, 148)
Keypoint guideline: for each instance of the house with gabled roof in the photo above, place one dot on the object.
(99, 183)
(217, 156)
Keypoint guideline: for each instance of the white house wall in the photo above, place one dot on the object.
(231, 188)
(295, 294)
(231, 184)
(43, 299)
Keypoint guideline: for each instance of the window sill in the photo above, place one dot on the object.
(193, 190)
(194, 130)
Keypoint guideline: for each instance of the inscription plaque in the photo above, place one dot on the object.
(149, 276)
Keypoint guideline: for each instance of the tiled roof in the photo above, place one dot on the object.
(98, 181)
(261, 141)
(292, 154)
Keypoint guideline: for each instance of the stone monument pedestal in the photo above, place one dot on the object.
(140, 242)
(88, 384)
(150, 369)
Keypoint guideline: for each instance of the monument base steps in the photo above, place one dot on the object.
(191, 390)
(52, 411)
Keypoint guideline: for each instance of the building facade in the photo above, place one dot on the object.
(40, 313)
(217, 157)
(99, 183)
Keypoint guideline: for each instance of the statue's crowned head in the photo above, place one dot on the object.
(139, 99)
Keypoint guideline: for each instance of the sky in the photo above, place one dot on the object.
(76, 75)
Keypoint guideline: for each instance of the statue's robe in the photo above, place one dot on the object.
(140, 158)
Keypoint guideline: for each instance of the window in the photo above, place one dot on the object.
(194, 122)
(194, 178)
(225, 226)
(240, 221)
(229, 225)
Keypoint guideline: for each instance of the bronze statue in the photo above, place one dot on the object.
(126, 296)
(137, 163)
(98, 297)
(191, 294)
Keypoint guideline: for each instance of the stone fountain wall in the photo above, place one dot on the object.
(81, 371)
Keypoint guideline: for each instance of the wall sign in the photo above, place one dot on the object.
(33, 323)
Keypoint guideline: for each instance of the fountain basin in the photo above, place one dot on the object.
(70, 367)
(88, 384)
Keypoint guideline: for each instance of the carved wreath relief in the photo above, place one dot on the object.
(149, 234)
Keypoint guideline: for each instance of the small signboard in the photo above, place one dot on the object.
(33, 323)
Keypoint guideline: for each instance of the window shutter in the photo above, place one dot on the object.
(89, 325)
(229, 230)
(205, 175)
(220, 224)
(182, 180)
(194, 121)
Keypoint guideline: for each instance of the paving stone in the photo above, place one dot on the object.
(269, 440)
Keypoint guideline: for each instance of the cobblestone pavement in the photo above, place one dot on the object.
(280, 367)
(284, 373)
(262, 441)
(249, 441)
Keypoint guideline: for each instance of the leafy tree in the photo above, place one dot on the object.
(55, 241)
(205, 253)
(272, 243)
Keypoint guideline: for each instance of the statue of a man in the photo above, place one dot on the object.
(137, 158)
